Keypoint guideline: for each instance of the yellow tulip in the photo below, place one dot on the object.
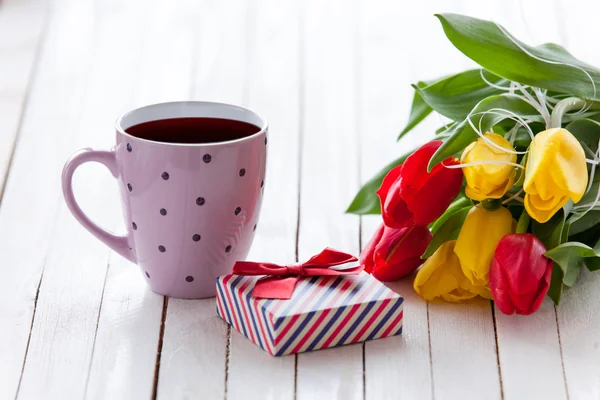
(555, 172)
(489, 181)
(480, 234)
(441, 276)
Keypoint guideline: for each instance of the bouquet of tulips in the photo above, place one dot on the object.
(504, 203)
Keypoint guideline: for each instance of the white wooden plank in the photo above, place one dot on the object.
(530, 343)
(254, 374)
(463, 352)
(195, 342)
(21, 28)
(70, 295)
(124, 357)
(329, 176)
(400, 366)
(578, 315)
(32, 195)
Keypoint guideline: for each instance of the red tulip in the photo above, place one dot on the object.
(409, 192)
(520, 274)
(394, 253)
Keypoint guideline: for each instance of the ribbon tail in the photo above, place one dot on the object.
(274, 287)
(329, 258)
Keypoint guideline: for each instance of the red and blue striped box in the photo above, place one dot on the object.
(323, 312)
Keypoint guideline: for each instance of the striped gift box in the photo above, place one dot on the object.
(323, 312)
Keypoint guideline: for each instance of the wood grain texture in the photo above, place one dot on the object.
(22, 26)
(272, 89)
(195, 346)
(329, 176)
(70, 295)
(29, 208)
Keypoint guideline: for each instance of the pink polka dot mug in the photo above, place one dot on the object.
(191, 203)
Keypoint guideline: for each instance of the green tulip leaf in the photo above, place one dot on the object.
(443, 129)
(589, 236)
(550, 232)
(461, 201)
(366, 200)
(448, 231)
(570, 257)
(584, 222)
(548, 66)
(520, 175)
(463, 134)
(418, 111)
(455, 96)
(587, 131)
(556, 284)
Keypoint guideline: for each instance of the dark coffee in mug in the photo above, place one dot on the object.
(193, 130)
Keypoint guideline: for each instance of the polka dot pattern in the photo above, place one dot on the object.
(200, 201)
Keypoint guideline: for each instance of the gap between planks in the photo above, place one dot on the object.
(159, 346)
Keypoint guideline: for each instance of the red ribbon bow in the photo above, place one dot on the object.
(280, 281)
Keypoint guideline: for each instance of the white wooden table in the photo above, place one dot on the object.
(332, 77)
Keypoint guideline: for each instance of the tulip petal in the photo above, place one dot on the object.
(477, 241)
(542, 215)
(489, 180)
(394, 210)
(434, 197)
(399, 251)
(570, 165)
(520, 274)
(366, 256)
(415, 172)
(556, 171)
(441, 277)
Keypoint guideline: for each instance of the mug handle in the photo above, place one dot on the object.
(119, 244)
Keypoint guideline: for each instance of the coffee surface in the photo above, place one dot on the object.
(193, 130)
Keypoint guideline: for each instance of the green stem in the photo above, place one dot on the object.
(523, 224)
(491, 204)
(562, 107)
